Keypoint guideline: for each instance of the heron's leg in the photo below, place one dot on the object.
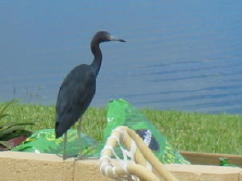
(79, 128)
(64, 149)
(80, 156)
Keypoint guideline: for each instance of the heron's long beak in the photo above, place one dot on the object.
(112, 38)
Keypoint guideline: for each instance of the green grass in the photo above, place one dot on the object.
(214, 133)
(220, 133)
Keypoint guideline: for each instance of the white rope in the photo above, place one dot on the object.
(115, 137)
(133, 149)
(104, 157)
(120, 171)
(105, 165)
(128, 155)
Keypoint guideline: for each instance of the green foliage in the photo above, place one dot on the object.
(225, 162)
(10, 129)
(3, 109)
(213, 133)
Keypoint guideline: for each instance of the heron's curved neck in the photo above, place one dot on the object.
(96, 64)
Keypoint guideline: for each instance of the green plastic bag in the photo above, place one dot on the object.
(121, 113)
(43, 141)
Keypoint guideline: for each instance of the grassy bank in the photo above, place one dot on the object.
(198, 132)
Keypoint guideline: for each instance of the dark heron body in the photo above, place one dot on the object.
(78, 88)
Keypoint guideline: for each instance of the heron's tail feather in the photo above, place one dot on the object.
(58, 131)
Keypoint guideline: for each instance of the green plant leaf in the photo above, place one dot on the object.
(11, 129)
(3, 109)
(6, 106)
(11, 124)
(6, 144)
(3, 115)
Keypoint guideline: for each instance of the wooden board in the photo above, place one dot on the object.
(211, 159)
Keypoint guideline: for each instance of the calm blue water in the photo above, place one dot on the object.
(182, 55)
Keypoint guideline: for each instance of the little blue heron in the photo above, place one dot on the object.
(78, 89)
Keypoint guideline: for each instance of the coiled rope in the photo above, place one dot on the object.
(138, 163)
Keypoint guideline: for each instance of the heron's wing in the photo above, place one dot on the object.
(75, 95)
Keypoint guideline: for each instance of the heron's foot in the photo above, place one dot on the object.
(81, 157)
(85, 157)
(64, 157)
